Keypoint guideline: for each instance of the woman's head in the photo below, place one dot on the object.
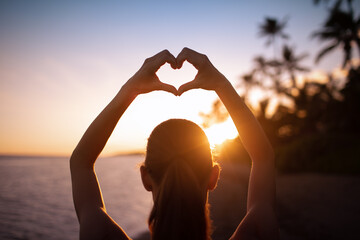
(179, 170)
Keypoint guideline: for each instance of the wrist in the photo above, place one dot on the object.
(126, 94)
(223, 86)
(128, 90)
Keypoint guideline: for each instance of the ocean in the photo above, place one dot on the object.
(36, 199)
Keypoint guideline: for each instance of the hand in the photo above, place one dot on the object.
(145, 80)
(208, 77)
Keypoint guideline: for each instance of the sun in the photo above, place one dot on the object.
(220, 132)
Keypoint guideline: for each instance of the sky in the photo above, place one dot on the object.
(61, 62)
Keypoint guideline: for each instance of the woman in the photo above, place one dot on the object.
(178, 167)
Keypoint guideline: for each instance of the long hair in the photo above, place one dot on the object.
(179, 160)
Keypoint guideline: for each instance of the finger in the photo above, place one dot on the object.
(166, 87)
(193, 57)
(181, 57)
(172, 61)
(187, 86)
(169, 58)
(161, 58)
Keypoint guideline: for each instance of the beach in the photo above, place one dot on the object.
(309, 205)
(36, 200)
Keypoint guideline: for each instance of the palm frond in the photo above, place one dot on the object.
(302, 69)
(285, 36)
(301, 57)
(325, 51)
(316, 2)
(348, 53)
(337, 5)
(326, 34)
(274, 63)
(272, 27)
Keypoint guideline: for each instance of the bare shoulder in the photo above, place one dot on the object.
(99, 225)
(259, 223)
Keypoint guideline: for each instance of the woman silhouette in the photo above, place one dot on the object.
(178, 167)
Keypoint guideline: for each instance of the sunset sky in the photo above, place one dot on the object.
(61, 62)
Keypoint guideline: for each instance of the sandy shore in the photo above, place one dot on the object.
(309, 206)
(314, 206)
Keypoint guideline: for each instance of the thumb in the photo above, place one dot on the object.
(167, 88)
(187, 86)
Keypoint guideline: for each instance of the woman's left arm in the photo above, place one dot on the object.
(88, 201)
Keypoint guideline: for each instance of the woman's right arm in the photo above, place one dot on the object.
(260, 220)
(88, 200)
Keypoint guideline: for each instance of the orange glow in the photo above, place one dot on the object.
(220, 132)
(318, 76)
(255, 97)
(339, 73)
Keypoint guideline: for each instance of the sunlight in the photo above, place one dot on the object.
(255, 97)
(177, 77)
(339, 73)
(318, 76)
(220, 132)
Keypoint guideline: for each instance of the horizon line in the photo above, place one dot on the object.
(13, 155)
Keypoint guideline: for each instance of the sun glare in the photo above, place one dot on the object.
(218, 133)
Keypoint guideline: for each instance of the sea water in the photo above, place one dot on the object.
(36, 199)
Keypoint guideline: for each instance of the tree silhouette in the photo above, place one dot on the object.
(277, 76)
(316, 2)
(272, 29)
(217, 114)
(336, 2)
(251, 79)
(342, 29)
(316, 123)
(290, 62)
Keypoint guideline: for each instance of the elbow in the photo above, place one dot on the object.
(78, 161)
(266, 154)
(73, 160)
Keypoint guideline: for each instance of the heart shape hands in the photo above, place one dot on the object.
(176, 77)
(146, 80)
(207, 78)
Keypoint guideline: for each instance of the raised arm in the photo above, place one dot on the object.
(260, 221)
(88, 201)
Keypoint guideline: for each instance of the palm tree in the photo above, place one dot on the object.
(271, 28)
(341, 28)
(261, 64)
(316, 2)
(337, 3)
(291, 63)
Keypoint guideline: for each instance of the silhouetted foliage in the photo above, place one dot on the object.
(272, 28)
(217, 114)
(337, 3)
(315, 126)
(341, 28)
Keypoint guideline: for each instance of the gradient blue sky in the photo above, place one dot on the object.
(61, 62)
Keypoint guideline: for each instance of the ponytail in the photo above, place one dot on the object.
(179, 161)
(179, 211)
